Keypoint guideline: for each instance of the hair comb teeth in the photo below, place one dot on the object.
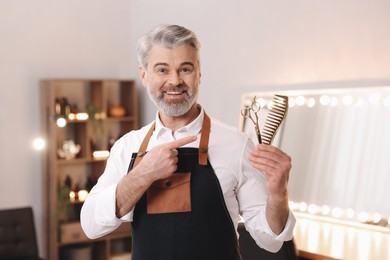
(277, 113)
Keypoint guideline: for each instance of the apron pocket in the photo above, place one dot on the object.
(170, 195)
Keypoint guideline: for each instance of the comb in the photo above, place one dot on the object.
(277, 113)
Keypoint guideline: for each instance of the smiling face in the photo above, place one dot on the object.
(172, 79)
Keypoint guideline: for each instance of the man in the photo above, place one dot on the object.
(184, 180)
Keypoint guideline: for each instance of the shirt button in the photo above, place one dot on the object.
(168, 184)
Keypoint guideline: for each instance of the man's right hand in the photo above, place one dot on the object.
(161, 161)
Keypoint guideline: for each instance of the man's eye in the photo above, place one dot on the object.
(162, 70)
(185, 70)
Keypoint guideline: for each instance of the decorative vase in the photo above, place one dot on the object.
(116, 110)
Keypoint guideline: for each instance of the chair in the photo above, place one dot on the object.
(17, 235)
(251, 251)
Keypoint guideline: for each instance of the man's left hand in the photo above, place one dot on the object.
(276, 166)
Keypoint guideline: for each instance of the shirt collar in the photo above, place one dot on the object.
(193, 128)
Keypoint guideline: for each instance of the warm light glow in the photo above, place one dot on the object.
(312, 209)
(311, 102)
(83, 195)
(300, 100)
(314, 233)
(260, 101)
(376, 218)
(337, 242)
(101, 154)
(39, 144)
(61, 122)
(78, 116)
(363, 217)
(363, 241)
(302, 206)
(81, 116)
(71, 116)
(72, 196)
(324, 100)
(337, 212)
(99, 116)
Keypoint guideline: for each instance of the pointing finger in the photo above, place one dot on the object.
(180, 142)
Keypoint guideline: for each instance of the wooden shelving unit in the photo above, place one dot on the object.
(62, 100)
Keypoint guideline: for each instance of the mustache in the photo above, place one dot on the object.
(180, 87)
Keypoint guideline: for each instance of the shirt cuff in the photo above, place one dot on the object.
(287, 233)
(106, 207)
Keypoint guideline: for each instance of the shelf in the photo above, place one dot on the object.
(79, 161)
(121, 256)
(59, 99)
(120, 119)
(72, 233)
(107, 119)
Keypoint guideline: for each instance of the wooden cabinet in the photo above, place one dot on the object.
(81, 119)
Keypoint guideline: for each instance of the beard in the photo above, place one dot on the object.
(174, 108)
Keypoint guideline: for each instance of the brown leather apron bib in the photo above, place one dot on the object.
(184, 217)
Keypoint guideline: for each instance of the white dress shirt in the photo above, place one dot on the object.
(244, 187)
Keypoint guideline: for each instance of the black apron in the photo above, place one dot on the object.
(205, 232)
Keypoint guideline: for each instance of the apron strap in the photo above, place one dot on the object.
(144, 145)
(204, 140)
(203, 144)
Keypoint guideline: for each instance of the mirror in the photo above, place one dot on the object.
(339, 141)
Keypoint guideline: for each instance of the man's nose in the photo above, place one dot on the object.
(175, 79)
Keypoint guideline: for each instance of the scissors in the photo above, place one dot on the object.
(251, 113)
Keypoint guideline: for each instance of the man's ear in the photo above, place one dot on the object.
(142, 75)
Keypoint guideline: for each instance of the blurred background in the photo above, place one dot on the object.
(247, 46)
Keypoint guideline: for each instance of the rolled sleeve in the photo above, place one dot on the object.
(287, 233)
(265, 237)
(98, 216)
(106, 209)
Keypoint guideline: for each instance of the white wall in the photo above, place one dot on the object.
(248, 45)
(48, 39)
(263, 45)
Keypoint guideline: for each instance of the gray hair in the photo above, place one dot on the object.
(167, 36)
